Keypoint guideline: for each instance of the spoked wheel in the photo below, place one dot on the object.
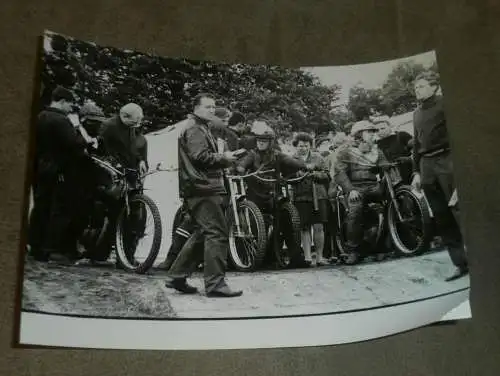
(247, 247)
(289, 236)
(138, 235)
(411, 235)
(96, 240)
(341, 233)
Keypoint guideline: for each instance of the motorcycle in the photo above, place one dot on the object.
(117, 218)
(399, 217)
(253, 239)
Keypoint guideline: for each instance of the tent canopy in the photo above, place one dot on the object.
(162, 145)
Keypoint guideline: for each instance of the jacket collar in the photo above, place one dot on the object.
(57, 110)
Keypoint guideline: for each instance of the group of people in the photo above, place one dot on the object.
(215, 141)
(64, 176)
(211, 144)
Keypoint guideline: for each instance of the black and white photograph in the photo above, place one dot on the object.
(193, 204)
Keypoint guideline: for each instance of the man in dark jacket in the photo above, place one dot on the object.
(59, 150)
(123, 140)
(238, 136)
(433, 167)
(201, 186)
(355, 174)
(396, 147)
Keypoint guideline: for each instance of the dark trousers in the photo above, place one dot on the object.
(183, 231)
(212, 230)
(67, 218)
(330, 231)
(43, 192)
(354, 220)
(438, 184)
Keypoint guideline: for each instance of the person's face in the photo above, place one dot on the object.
(67, 106)
(92, 126)
(132, 119)
(369, 136)
(303, 147)
(262, 144)
(240, 127)
(423, 89)
(205, 109)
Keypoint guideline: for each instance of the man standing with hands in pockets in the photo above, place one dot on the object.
(201, 186)
(433, 168)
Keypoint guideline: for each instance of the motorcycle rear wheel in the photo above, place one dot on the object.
(121, 232)
(289, 235)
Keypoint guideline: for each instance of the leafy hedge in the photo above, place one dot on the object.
(290, 98)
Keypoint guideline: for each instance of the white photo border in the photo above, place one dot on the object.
(49, 330)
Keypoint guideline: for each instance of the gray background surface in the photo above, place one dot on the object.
(297, 33)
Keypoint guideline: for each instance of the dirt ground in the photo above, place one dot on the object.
(108, 292)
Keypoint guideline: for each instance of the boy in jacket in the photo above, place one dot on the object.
(266, 157)
(311, 199)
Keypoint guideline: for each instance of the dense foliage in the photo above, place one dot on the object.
(395, 97)
(290, 98)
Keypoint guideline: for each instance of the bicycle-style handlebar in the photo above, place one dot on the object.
(287, 181)
(255, 174)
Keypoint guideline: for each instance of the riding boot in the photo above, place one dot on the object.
(179, 238)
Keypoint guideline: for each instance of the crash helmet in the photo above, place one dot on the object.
(262, 131)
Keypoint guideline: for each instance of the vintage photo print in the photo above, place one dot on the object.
(187, 204)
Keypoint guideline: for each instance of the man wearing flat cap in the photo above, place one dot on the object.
(123, 140)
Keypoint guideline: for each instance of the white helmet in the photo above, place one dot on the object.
(131, 114)
(261, 130)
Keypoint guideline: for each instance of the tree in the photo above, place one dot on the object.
(397, 91)
(363, 102)
(290, 99)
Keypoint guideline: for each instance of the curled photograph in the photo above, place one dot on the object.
(191, 204)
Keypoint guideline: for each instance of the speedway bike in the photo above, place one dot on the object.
(399, 217)
(282, 221)
(121, 216)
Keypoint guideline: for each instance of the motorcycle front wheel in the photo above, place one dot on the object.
(143, 219)
(247, 247)
(411, 234)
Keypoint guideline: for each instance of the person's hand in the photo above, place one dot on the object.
(240, 170)
(143, 168)
(354, 196)
(300, 173)
(229, 156)
(94, 143)
(454, 199)
(416, 183)
(310, 167)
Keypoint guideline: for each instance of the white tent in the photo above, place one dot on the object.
(403, 122)
(163, 187)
